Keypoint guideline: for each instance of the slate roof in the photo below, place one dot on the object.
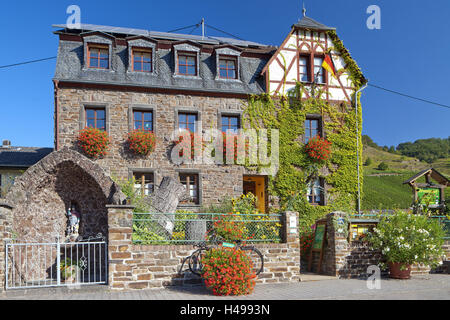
(22, 157)
(70, 63)
(309, 23)
(164, 35)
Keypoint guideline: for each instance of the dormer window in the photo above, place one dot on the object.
(142, 60)
(227, 68)
(187, 64)
(98, 56)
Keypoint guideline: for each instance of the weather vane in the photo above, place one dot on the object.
(304, 9)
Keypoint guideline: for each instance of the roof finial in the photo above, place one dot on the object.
(304, 9)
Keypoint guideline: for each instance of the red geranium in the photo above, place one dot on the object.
(228, 271)
(141, 142)
(94, 142)
(318, 148)
(194, 149)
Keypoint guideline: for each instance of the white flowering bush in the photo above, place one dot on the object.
(409, 239)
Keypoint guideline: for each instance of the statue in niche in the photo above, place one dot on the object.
(73, 222)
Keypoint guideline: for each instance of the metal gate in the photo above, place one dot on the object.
(32, 265)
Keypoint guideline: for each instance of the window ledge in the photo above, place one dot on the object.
(228, 80)
(150, 74)
(182, 76)
(99, 70)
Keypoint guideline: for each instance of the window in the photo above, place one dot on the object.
(190, 182)
(142, 60)
(227, 68)
(303, 68)
(230, 123)
(187, 64)
(96, 118)
(143, 120)
(315, 192)
(98, 57)
(312, 128)
(187, 121)
(319, 75)
(144, 183)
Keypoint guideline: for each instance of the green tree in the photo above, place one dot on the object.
(368, 162)
(383, 166)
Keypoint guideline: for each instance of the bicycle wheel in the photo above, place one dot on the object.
(195, 261)
(257, 258)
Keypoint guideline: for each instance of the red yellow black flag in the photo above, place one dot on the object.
(328, 65)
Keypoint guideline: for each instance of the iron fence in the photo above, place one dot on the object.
(188, 228)
(30, 265)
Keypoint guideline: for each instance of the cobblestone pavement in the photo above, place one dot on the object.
(436, 287)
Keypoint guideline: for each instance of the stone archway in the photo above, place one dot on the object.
(41, 196)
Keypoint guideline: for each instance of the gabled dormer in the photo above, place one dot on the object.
(227, 62)
(98, 50)
(187, 59)
(141, 55)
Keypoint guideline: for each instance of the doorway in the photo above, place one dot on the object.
(258, 186)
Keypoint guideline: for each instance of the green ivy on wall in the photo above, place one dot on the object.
(296, 171)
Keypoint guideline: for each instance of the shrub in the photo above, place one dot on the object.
(318, 149)
(368, 162)
(383, 166)
(306, 240)
(141, 142)
(228, 271)
(227, 227)
(407, 238)
(94, 142)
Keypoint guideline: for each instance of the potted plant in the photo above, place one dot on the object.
(406, 239)
(141, 142)
(93, 141)
(70, 271)
(318, 149)
(228, 271)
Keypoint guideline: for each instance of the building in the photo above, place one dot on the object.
(119, 79)
(15, 160)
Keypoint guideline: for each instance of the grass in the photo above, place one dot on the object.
(387, 192)
(382, 191)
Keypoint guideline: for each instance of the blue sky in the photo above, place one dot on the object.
(409, 54)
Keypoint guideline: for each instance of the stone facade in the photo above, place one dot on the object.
(153, 266)
(216, 181)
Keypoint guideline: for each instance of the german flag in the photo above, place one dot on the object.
(328, 65)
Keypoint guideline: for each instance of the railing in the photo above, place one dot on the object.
(31, 265)
(189, 228)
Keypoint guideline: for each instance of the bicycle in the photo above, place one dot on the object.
(195, 259)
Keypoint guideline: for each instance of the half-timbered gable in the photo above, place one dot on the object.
(299, 59)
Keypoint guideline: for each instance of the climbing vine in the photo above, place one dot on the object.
(297, 170)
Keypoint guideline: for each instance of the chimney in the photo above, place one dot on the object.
(6, 144)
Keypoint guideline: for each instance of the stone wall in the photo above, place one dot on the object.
(155, 266)
(216, 181)
(351, 260)
(43, 194)
(5, 234)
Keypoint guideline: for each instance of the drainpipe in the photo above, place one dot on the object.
(55, 84)
(357, 145)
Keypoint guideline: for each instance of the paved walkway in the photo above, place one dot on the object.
(436, 286)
